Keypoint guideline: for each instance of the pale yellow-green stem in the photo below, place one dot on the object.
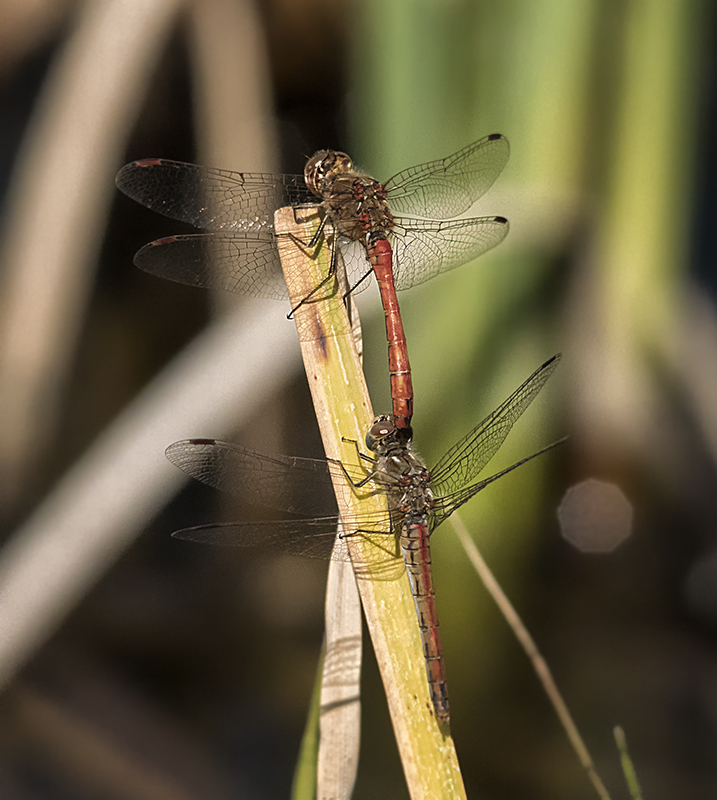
(343, 410)
(628, 767)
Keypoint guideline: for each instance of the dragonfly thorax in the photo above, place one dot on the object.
(398, 468)
(355, 202)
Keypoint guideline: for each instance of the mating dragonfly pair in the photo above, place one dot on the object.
(238, 252)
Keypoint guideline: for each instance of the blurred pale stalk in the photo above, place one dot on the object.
(340, 716)
(27, 24)
(108, 763)
(637, 266)
(56, 211)
(105, 501)
(232, 89)
(232, 95)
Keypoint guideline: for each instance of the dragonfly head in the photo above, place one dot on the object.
(383, 435)
(326, 164)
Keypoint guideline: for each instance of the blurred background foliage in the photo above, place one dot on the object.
(171, 671)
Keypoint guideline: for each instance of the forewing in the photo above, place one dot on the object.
(240, 263)
(466, 459)
(214, 199)
(286, 483)
(449, 186)
(425, 248)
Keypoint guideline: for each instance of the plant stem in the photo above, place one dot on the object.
(343, 410)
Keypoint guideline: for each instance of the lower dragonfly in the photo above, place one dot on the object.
(419, 500)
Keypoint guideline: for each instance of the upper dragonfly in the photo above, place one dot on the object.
(358, 221)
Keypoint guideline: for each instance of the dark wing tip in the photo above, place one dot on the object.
(141, 255)
(158, 242)
(128, 169)
(501, 220)
(182, 444)
(494, 136)
(197, 535)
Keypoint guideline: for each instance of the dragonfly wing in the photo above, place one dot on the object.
(244, 264)
(313, 538)
(466, 459)
(449, 186)
(214, 199)
(288, 483)
(447, 504)
(426, 248)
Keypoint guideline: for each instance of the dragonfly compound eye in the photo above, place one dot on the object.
(315, 170)
(324, 165)
(341, 162)
(381, 428)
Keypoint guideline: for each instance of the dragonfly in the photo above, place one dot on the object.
(359, 223)
(418, 501)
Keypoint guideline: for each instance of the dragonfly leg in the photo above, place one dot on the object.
(358, 283)
(362, 456)
(310, 249)
(313, 208)
(308, 297)
(355, 484)
(310, 246)
(390, 551)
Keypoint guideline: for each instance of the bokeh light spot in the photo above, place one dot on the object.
(595, 516)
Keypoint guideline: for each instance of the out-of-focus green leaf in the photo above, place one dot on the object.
(304, 783)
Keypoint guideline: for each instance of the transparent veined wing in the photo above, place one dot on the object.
(449, 186)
